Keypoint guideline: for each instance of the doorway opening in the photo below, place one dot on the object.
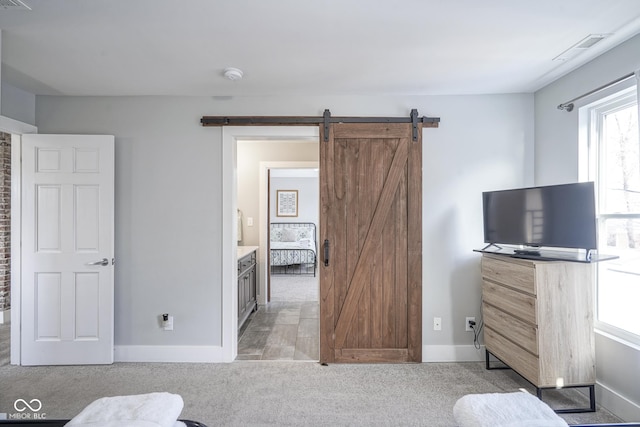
(286, 323)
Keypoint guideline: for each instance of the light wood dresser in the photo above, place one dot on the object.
(538, 320)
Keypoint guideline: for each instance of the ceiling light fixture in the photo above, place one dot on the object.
(233, 73)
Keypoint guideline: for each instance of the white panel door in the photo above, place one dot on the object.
(67, 249)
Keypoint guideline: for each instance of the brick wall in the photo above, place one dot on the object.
(5, 222)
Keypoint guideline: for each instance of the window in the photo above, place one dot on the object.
(612, 161)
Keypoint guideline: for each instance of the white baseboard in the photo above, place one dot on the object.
(166, 353)
(5, 316)
(214, 354)
(452, 353)
(617, 404)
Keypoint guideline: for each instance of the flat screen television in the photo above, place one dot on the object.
(561, 216)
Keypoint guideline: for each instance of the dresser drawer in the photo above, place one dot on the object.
(521, 333)
(518, 359)
(518, 304)
(514, 273)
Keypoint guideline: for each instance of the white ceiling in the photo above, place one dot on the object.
(302, 47)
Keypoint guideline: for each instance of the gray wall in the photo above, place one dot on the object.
(556, 161)
(556, 132)
(168, 191)
(483, 143)
(168, 213)
(17, 104)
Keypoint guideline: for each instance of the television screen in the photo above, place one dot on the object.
(557, 215)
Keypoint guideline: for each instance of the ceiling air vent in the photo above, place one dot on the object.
(581, 46)
(13, 5)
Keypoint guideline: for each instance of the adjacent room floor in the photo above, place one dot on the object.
(287, 328)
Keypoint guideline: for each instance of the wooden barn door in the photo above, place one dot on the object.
(371, 243)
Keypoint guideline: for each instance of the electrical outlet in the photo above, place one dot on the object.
(437, 323)
(467, 324)
(167, 322)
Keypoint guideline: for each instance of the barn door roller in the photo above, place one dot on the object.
(327, 122)
(414, 124)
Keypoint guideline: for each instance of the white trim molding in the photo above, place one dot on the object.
(616, 403)
(230, 137)
(16, 129)
(16, 248)
(10, 125)
(263, 257)
(229, 228)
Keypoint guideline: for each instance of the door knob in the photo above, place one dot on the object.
(103, 262)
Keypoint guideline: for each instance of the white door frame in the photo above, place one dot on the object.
(16, 129)
(229, 279)
(264, 234)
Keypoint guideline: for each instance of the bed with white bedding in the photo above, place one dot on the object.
(293, 248)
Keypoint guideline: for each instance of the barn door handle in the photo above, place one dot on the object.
(326, 252)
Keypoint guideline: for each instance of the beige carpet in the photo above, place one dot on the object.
(277, 393)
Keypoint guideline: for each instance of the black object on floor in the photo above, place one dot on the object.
(61, 423)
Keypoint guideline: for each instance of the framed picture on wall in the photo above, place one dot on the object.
(287, 202)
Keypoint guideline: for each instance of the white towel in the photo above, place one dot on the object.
(517, 409)
(142, 410)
